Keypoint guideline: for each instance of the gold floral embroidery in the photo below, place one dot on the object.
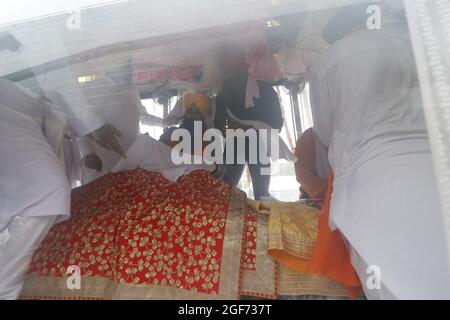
(137, 227)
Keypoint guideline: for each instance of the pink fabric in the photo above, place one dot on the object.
(262, 63)
(170, 73)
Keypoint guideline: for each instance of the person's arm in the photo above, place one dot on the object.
(175, 115)
(86, 150)
(62, 88)
(144, 117)
(151, 120)
(85, 109)
(305, 166)
(320, 108)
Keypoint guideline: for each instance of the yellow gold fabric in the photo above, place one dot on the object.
(293, 283)
(292, 231)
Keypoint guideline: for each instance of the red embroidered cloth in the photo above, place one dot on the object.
(134, 234)
(136, 227)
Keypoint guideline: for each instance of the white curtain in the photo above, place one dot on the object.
(429, 23)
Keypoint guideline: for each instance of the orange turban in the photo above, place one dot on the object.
(200, 100)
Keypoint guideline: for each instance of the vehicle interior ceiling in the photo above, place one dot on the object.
(178, 50)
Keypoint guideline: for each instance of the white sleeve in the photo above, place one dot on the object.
(320, 108)
(146, 118)
(85, 145)
(151, 120)
(174, 117)
(82, 117)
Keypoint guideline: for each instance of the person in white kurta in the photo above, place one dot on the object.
(117, 104)
(34, 191)
(102, 117)
(84, 110)
(368, 110)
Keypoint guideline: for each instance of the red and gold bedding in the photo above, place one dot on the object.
(136, 235)
(259, 271)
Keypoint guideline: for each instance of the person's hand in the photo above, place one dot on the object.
(106, 136)
(93, 161)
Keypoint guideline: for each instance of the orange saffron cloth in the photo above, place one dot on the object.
(331, 257)
(305, 166)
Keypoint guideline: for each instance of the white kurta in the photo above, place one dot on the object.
(118, 105)
(32, 180)
(367, 108)
(153, 155)
(65, 91)
(321, 157)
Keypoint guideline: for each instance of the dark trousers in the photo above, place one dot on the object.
(260, 182)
